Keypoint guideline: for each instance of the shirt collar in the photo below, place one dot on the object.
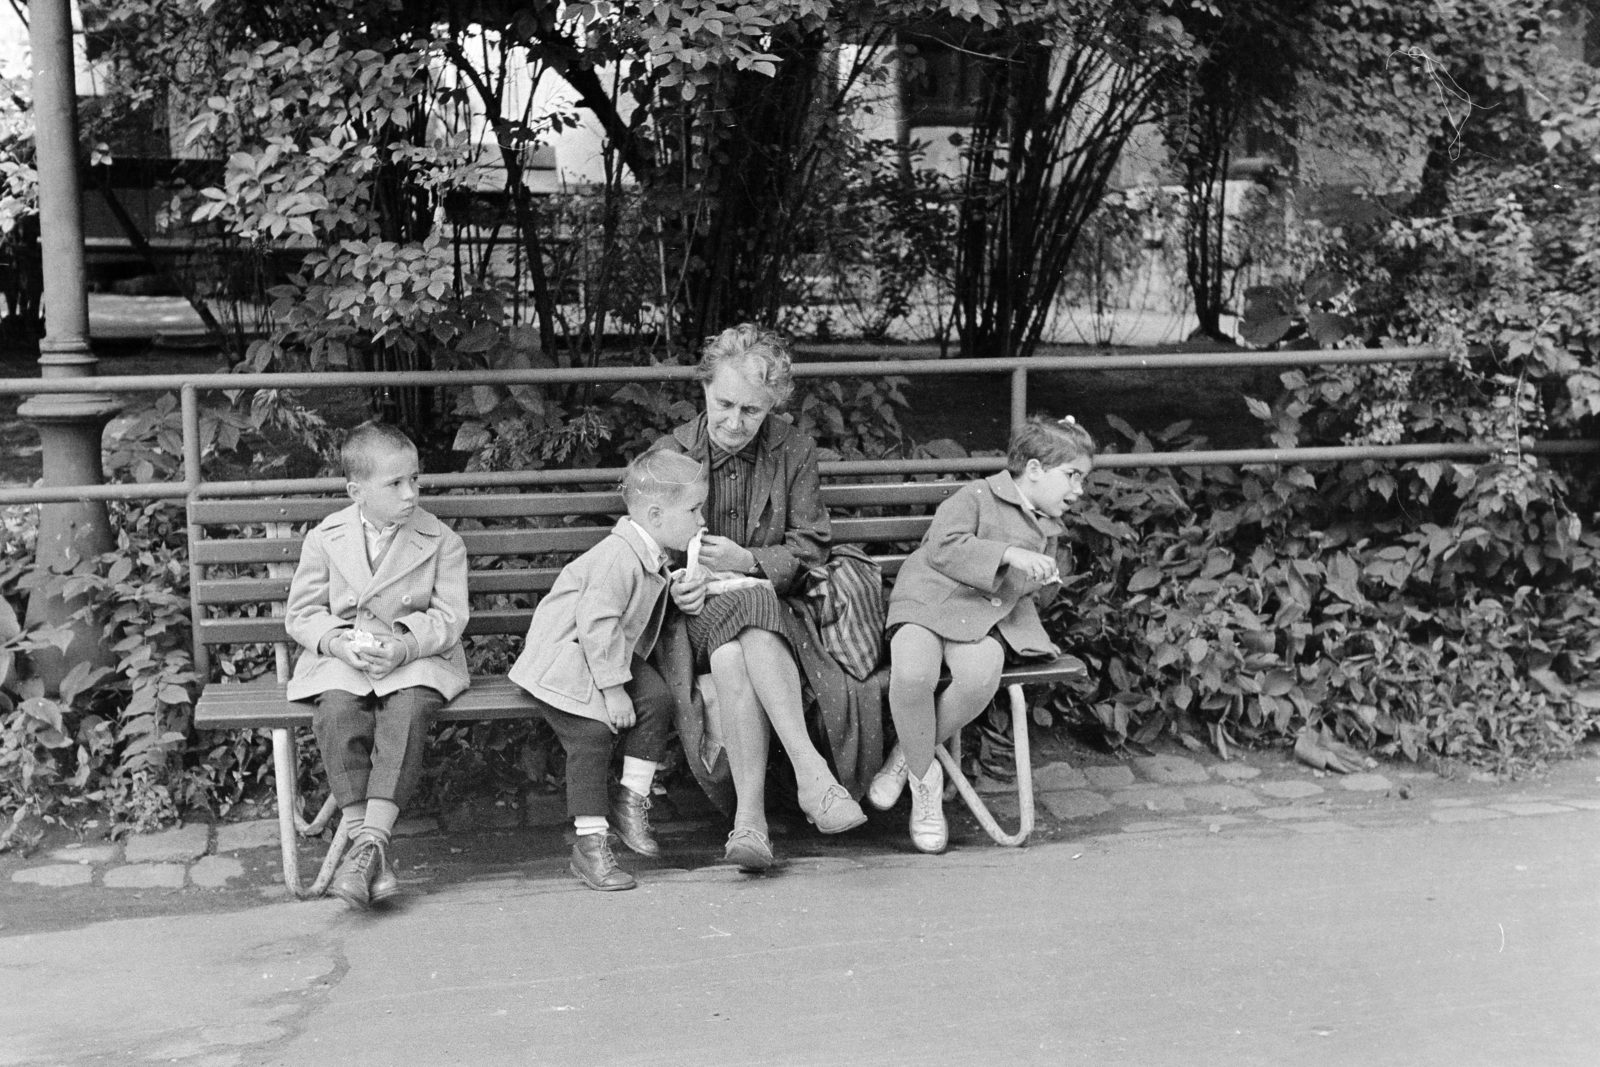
(370, 525)
(1027, 505)
(652, 550)
(747, 454)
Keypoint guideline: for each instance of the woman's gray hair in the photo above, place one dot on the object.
(764, 352)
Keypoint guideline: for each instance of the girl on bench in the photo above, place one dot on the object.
(964, 597)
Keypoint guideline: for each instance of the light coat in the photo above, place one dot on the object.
(420, 589)
(956, 583)
(604, 609)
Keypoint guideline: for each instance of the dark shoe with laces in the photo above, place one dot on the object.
(595, 864)
(630, 821)
(385, 884)
(352, 882)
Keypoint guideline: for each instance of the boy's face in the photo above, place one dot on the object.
(390, 494)
(674, 525)
(1053, 489)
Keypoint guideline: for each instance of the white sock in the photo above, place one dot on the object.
(590, 824)
(637, 774)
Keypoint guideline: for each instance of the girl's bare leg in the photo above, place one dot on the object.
(975, 669)
(915, 656)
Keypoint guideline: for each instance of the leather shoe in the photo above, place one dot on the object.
(352, 882)
(630, 819)
(929, 831)
(748, 850)
(595, 864)
(888, 782)
(385, 885)
(832, 811)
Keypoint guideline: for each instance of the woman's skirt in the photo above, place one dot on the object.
(844, 716)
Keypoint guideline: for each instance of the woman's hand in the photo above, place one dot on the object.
(689, 593)
(723, 554)
(1034, 566)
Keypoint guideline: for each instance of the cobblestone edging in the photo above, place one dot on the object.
(1151, 794)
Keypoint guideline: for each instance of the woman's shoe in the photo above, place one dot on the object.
(832, 811)
(748, 850)
(929, 831)
(888, 782)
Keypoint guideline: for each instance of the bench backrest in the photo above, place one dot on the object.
(243, 552)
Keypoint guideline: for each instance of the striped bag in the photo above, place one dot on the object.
(845, 597)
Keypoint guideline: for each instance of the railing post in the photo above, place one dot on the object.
(1019, 400)
(69, 424)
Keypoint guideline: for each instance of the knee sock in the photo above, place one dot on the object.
(637, 774)
(590, 824)
(380, 819)
(353, 815)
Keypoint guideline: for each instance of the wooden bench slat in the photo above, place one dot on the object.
(894, 528)
(479, 543)
(238, 706)
(226, 591)
(497, 506)
(262, 703)
(269, 629)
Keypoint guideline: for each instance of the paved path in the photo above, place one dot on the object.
(1382, 930)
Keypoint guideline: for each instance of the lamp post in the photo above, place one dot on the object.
(69, 425)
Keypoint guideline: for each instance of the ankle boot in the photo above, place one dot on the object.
(888, 782)
(595, 864)
(630, 818)
(929, 831)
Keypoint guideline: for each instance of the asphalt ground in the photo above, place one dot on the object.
(1433, 922)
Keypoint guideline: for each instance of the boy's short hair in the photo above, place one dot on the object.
(364, 444)
(660, 477)
(1050, 441)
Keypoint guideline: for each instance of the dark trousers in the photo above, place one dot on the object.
(588, 742)
(371, 745)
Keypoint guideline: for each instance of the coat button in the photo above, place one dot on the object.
(350, 600)
(406, 599)
(996, 601)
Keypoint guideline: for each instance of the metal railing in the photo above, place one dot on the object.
(908, 361)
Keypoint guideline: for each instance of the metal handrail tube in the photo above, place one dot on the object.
(154, 383)
(846, 468)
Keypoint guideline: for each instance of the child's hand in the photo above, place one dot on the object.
(1035, 566)
(382, 656)
(689, 593)
(341, 648)
(619, 708)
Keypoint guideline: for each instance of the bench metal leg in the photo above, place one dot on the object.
(1024, 758)
(283, 767)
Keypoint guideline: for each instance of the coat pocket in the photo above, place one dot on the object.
(568, 674)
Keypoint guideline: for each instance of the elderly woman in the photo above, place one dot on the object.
(765, 518)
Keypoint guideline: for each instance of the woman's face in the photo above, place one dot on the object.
(736, 406)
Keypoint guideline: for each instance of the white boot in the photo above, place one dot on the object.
(929, 832)
(887, 783)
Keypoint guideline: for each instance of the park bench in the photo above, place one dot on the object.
(228, 536)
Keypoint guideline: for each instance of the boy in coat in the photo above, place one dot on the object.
(584, 662)
(378, 603)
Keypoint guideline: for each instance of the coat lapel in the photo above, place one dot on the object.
(347, 549)
(765, 475)
(414, 542)
(1005, 488)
